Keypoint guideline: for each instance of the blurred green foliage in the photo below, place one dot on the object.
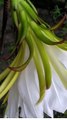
(56, 12)
(1, 2)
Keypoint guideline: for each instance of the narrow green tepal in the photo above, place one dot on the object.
(40, 33)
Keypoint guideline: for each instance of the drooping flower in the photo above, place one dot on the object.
(25, 91)
(37, 72)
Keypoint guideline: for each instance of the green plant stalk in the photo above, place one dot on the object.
(29, 10)
(11, 74)
(15, 17)
(32, 6)
(5, 99)
(23, 21)
(53, 37)
(10, 84)
(31, 48)
(13, 4)
(7, 70)
(40, 72)
(41, 34)
(58, 24)
(46, 64)
(15, 76)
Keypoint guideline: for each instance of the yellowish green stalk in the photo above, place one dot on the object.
(40, 72)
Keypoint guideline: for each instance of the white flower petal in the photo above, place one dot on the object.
(61, 55)
(59, 68)
(29, 91)
(47, 108)
(56, 96)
